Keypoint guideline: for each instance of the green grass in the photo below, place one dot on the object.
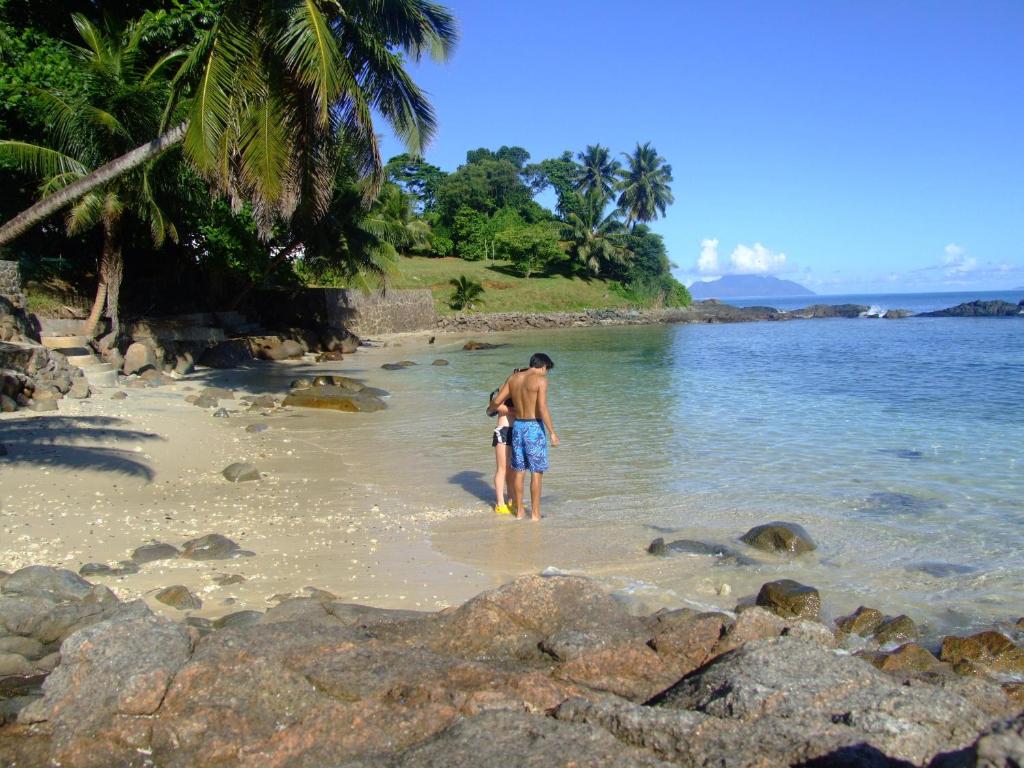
(503, 290)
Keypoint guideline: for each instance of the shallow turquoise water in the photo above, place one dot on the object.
(898, 445)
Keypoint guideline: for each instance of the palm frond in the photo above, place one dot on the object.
(41, 162)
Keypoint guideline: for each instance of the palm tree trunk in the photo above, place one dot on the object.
(109, 288)
(50, 204)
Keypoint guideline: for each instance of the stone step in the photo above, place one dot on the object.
(51, 326)
(82, 360)
(64, 342)
(98, 377)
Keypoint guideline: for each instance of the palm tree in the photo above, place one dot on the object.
(594, 240)
(119, 101)
(466, 293)
(598, 172)
(395, 206)
(643, 187)
(272, 86)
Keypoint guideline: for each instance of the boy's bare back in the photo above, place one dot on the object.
(527, 389)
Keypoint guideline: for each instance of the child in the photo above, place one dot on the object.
(506, 414)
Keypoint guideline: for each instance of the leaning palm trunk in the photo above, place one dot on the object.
(50, 204)
(108, 291)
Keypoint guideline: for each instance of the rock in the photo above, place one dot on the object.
(979, 309)
(332, 356)
(45, 582)
(440, 362)
(786, 701)
(119, 395)
(658, 548)
(896, 629)
(864, 621)
(125, 568)
(15, 665)
(895, 314)
(754, 623)
(213, 546)
(155, 378)
(226, 354)
(790, 599)
(723, 554)
(334, 398)
(240, 472)
(849, 311)
(217, 393)
(202, 402)
(300, 384)
(179, 597)
(139, 357)
(221, 413)
(1001, 746)
(990, 648)
(394, 367)
(909, 658)
(226, 580)
(95, 569)
(264, 401)
(110, 673)
(780, 538)
(238, 619)
(8, 404)
(472, 346)
(79, 389)
(43, 406)
(286, 350)
(255, 429)
(184, 364)
(688, 639)
(28, 647)
(149, 553)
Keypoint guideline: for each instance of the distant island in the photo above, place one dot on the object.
(738, 286)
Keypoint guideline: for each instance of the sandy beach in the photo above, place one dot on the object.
(103, 476)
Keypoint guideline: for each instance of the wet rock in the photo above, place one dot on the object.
(46, 582)
(95, 569)
(331, 356)
(786, 701)
(240, 472)
(227, 354)
(440, 362)
(790, 599)
(896, 629)
(908, 659)
(902, 453)
(238, 619)
(996, 308)
(724, 555)
(213, 546)
(255, 429)
(139, 357)
(990, 649)
(941, 570)
(334, 398)
(896, 314)
(226, 580)
(780, 538)
(472, 346)
(149, 553)
(755, 623)
(888, 504)
(394, 367)
(300, 384)
(864, 621)
(28, 647)
(179, 597)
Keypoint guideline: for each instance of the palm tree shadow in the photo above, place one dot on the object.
(67, 442)
(475, 483)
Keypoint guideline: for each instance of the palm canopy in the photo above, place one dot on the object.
(594, 239)
(598, 172)
(275, 83)
(644, 186)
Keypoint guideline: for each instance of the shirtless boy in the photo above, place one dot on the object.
(529, 391)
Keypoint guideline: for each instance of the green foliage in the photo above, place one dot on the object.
(598, 173)
(595, 241)
(466, 293)
(531, 249)
(644, 186)
(417, 178)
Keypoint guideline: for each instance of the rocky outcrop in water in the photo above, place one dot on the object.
(543, 671)
(980, 309)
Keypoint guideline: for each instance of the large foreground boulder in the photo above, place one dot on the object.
(779, 538)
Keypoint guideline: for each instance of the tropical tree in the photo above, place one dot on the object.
(118, 101)
(644, 186)
(466, 293)
(593, 239)
(394, 206)
(598, 173)
(272, 85)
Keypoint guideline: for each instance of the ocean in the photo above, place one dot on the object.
(896, 444)
(880, 302)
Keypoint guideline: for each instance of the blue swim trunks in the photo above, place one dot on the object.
(529, 445)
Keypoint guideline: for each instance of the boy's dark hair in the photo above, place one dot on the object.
(540, 360)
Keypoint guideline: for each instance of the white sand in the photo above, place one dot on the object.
(103, 476)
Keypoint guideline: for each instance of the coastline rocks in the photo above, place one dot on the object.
(335, 398)
(213, 546)
(897, 629)
(178, 597)
(910, 659)
(780, 538)
(990, 649)
(980, 309)
(149, 553)
(895, 314)
(790, 599)
(138, 358)
(1002, 746)
(723, 555)
(473, 346)
(240, 472)
(849, 311)
(226, 354)
(863, 622)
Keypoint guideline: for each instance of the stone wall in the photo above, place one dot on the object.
(366, 314)
(10, 283)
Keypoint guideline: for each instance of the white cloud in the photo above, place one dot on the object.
(707, 262)
(956, 260)
(744, 260)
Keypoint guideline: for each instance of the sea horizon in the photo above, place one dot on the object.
(915, 302)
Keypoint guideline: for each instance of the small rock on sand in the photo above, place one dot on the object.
(240, 472)
(440, 361)
(149, 553)
(213, 546)
(255, 429)
(121, 395)
(179, 597)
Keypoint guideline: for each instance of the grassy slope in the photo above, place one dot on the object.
(504, 291)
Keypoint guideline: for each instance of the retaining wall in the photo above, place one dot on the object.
(10, 283)
(364, 314)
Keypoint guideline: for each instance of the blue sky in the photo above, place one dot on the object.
(852, 146)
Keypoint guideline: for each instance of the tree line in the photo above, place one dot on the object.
(196, 149)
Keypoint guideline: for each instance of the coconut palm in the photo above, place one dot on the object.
(643, 186)
(466, 293)
(594, 240)
(395, 206)
(118, 101)
(272, 86)
(598, 172)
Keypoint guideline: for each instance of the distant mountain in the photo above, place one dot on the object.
(743, 286)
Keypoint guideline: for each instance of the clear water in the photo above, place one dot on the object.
(898, 445)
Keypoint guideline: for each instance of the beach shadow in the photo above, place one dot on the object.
(475, 483)
(74, 442)
(265, 376)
